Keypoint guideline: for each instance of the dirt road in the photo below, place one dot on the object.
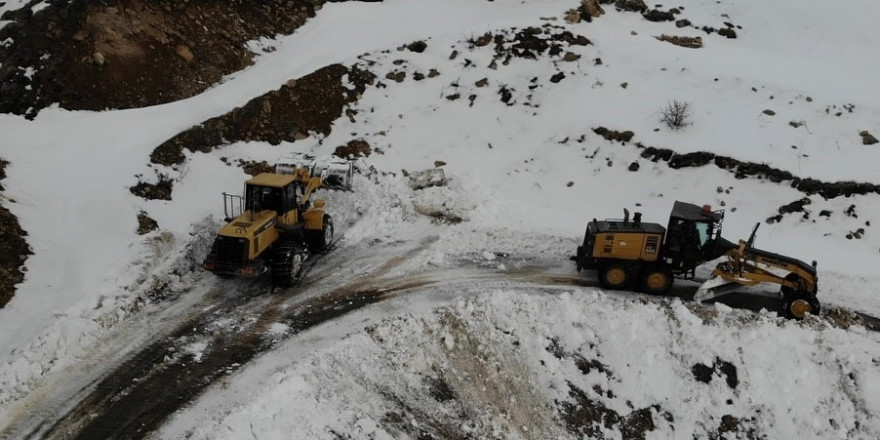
(136, 395)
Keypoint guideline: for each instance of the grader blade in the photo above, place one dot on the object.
(336, 173)
(714, 288)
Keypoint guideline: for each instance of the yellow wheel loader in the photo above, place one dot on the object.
(274, 226)
(631, 254)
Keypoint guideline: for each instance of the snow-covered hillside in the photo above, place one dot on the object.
(475, 325)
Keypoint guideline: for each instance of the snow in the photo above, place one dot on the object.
(337, 389)
(508, 169)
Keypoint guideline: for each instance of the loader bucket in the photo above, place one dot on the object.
(335, 173)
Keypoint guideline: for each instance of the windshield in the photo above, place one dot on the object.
(261, 198)
(703, 230)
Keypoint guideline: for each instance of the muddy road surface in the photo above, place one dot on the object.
(133, 397)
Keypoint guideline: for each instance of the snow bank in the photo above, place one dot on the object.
(513, 363)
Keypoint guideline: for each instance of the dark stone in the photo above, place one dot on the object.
(795, 206)
(587, 366)
(728, 370)
(506, 95)
(613, 135)
(727, 32)
(633, 166)
(631, 5)
(727, 163)
(682, 23)
(396, 76)
(658, 15)
(483, 40)
(702, 373)
(417, 46)
(354, 148)
(145, 223)
(696, 159)
(655, 154)
(559, 76)
(440, 389)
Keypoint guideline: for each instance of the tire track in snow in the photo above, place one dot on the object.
(138, 396)
(135, 398)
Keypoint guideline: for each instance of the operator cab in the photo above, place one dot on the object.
(272, 192)
(693, 236)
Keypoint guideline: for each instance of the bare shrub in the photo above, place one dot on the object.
(676, 114)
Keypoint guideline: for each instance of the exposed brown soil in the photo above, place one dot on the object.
(309, 104)
(14, 249)
(252, 168)
(158, 380)
(145, 223)
(354, 148)
(688, 42)
(154, 191)
(741, 170)
(587, 416)
(92, 55)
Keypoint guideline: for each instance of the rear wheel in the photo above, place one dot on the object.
(614, 276)
(320, 240)
(286, 264)
(797, 303)
(656, 280)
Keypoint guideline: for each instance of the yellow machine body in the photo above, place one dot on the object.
(629, 253)
(628, 246)
(275, 206)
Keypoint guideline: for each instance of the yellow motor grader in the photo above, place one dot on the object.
(274, 226)
(631, 254)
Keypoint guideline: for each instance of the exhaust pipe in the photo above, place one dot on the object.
(335, 173)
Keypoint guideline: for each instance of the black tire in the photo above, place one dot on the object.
(286, 264)
(615, 276)
(656, 280)
(796, 304)
(793, 277)
(319, 241)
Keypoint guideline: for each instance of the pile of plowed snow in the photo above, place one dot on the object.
(530, 364)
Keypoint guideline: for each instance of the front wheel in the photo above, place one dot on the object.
(796, 304)
(287, 262)
(320, 240)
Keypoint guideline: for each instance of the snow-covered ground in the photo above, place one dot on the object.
(525, 178)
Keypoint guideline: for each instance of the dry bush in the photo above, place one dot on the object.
(676, 114)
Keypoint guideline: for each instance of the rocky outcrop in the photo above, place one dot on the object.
(308, 104)
(14, 250)
(90, 55)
